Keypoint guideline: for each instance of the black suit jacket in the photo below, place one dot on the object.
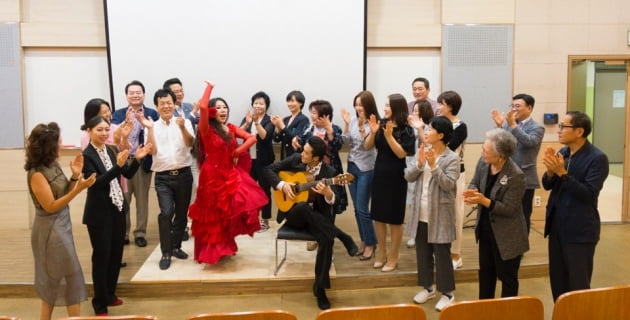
(98, 204)
(264, 147)
(294, 164)
(573, 199)
(296, 128)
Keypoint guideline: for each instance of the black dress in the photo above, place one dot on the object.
(389, 187)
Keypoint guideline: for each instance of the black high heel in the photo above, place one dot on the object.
(364, 258)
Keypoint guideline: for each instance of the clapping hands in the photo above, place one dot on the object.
(554, 162)
(76, 166)
(144, 150)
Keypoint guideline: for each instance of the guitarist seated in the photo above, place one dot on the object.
(315, 216)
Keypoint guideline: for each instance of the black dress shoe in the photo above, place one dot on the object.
(351, 247)
(322, 300)
(140, 242)
(123, 264)
(126, 241)
(165, 262)
(180, 254)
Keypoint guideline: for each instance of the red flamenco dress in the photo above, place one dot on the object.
(228, 199)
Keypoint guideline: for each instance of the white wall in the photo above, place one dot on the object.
(392, 70)
(59, 82)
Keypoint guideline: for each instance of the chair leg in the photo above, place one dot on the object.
(284, 258)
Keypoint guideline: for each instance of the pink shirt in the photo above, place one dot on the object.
(85, 138)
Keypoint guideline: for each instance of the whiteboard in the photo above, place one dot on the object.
(59, 82)
(243, 46)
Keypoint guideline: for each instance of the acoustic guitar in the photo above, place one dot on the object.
(303, 182)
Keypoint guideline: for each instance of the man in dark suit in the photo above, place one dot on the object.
(139, 184)
(529, 135)
(182, 108)
(575, 175)
(316, 217)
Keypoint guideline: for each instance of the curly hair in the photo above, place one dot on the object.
(42, 146)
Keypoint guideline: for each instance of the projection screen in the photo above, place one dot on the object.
(244, 46)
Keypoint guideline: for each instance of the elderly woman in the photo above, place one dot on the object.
(496, 189)
(434, 175)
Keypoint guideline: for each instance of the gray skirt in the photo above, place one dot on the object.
(58, 276)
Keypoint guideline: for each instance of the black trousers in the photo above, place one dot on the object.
(570, 265)
(302, 216)
(256, 172)
(107, 250)
(173, 193)
(528, 198)
(491, 267)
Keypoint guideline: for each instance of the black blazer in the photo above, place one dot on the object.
(264, 147)
(294, 164)
(98, 204)
(573, 199)
(296, 128)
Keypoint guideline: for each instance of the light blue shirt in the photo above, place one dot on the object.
(362, 158)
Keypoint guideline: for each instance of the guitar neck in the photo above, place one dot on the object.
(306, 186)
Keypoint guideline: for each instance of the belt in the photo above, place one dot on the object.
(174, 172)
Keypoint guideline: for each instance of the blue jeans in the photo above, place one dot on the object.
(360, 191)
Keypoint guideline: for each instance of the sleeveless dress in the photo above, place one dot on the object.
(228, 199)
(389, 187)
(58, 276)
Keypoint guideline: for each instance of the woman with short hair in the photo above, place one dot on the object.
(497, 189)
(291, 125)
(434, 175)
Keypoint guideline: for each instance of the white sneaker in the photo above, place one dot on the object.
(444, 302)
(423, 296)
(457, 263)
(411, 243)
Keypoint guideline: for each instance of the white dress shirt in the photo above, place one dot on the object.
(172, 152)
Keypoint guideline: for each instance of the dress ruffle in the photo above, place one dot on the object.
(228, 201)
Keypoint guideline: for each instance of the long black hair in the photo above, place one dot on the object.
(216, 125)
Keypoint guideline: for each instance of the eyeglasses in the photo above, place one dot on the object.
(562, 126)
